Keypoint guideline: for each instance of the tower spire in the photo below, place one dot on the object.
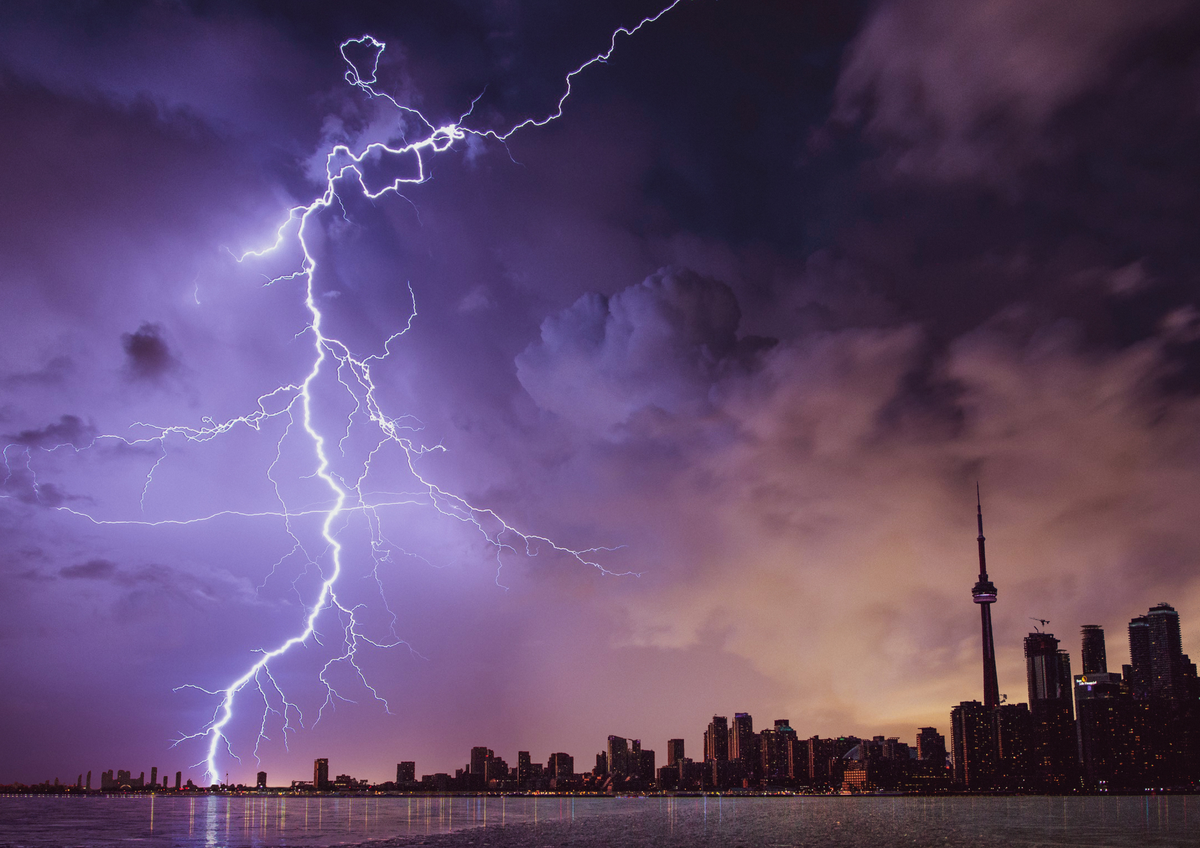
(984, 594)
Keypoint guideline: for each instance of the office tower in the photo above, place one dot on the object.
(931, 745)
(261, 780)
(971, 748)
(744, 748)
(561, 766)
(739, 735)
(1160, 669)
(406, 772)
(1092, 654)
(178, 779)
(716, 740)
(601, 769)
(89, 781)
(774, 753)
(646, 765)
(321, 773)
(524, 768)
(618, 756)
(1012, 740)
(984, 594)
(154, 776)
(1054, 750)
(674, 751)
(478, 766)
(495, 769)
(1138, 674)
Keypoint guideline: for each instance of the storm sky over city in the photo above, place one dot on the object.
(746, 325)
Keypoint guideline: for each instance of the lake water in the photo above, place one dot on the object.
(101, 822)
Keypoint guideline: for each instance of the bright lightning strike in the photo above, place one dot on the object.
(294, 404)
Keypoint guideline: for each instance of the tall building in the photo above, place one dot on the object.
(1092, 655)
(716, 740)
(1165, 678)
(480, 755)
(984, 594)
(1054, 748)
(931, 745)
(618, 757)
(260, 780)
(777, 753)
(321, 773)
(674, 751)
(524, 768)
(1156, 652)
(745, 748)
(1012, 738)
(739, 736)
(561, 766)
(971, 748)
(406, 773)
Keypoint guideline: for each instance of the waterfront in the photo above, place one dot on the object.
(526, 822)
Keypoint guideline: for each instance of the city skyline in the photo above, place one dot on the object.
(745, 324)
(1159, 666)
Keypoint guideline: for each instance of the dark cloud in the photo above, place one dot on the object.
(952, 93)
(70, 430)
(53, 372)
(147, 354)
(662, 344)
(93, 569)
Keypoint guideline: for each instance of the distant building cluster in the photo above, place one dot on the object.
(735, 757)
(1098, 731)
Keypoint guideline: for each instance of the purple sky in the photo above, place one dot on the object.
(781, 284)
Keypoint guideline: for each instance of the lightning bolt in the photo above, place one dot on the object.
(293, 405)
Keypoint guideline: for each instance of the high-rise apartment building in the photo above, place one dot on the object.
(1159, 667)
(931, 745)
(321, 773)
(971, 748)
(406, 773)
(618, 757)
(716, 740)
(674, 751)
(1054, 750)
(561, 766)
(1092, 655)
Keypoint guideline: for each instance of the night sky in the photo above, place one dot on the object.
(782, 283)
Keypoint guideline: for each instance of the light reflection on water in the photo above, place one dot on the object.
(268, 822)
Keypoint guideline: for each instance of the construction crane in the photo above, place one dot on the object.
(1041, 621)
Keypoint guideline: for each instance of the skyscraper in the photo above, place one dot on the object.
(406, 773)
(984, 594)
(674, 751)
(739, 736)
(321, 773)
(716, 740)
(1048, 671)
(618, 756)
(971, 747)
(1092, 656)
(1162, 664)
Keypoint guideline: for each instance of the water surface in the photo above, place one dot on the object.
(209, 821)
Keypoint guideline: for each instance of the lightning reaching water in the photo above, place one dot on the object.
(297, 408)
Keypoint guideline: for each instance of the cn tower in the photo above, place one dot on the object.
(984, 594)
